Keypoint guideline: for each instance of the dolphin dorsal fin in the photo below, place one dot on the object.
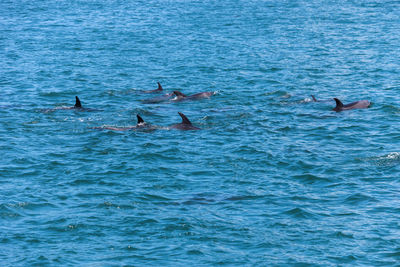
(314, 99)
(139, 119)
(185, 120)
(177, 93)
(159, 87)
(77, 102)
(339, 103)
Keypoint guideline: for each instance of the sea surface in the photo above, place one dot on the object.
(271, 179)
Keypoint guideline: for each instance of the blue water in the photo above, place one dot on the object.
(272, 179)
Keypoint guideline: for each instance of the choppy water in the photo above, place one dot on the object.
(271, 179)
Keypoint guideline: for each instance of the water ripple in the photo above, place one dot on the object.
(273, 178)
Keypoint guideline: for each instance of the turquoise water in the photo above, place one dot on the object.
(272, 179)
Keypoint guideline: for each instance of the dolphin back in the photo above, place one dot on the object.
(355, 105)
(178, 93)
(339, 105)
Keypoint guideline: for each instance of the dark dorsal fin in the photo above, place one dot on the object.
(339, 103)
(177, 93)
(159, 87)
(77, 102)
(139, 119)
(185, 120)
(314, 99)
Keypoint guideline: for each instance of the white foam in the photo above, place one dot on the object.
(393, 155)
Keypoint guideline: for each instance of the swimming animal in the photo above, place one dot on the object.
(184, 125)
(158, 99)
(77, 103)
(141, 124)
(159, 89)
(180, 96)
(77, 107)
(354, 105)
(318, 100)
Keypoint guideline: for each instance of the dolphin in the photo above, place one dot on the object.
(318, 100)
(159, 89)
(77, 103)
(354, 105)
(180, 96)
(184, 125)
(140, 125)
(77, 107)
(314, 99)
(158, 99)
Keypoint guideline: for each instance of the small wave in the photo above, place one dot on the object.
(300, 213)
(393, 254)
(391, 109)
(311, 179)
(181, 225)
(52, 93)
(269, 70)
(286, 129)
(30, 206)
(198, 201)
(147, 221)
(344, 259)
(394, 156)
(278, 93)
(194, 252)
(307, 100)
(244, 197)
(343, 235)
(294, 102)
(218, 92)
(391, 159)
(79, 182)
(8, 211)
(150, 197)
(359, 198)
